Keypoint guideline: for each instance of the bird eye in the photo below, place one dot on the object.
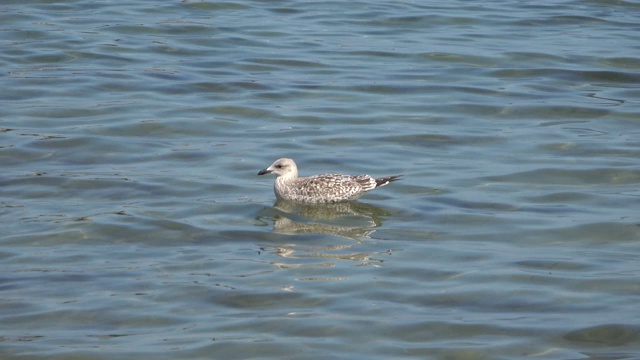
(278, 166)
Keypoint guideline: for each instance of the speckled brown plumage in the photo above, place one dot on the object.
(324, 188)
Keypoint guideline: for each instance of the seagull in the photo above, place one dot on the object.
(323, 188)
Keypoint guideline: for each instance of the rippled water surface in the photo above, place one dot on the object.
(134, 225)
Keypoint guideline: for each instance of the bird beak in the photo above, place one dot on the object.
(264, 171)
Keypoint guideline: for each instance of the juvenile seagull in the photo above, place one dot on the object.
(323, 188)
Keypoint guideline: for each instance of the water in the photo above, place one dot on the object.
(134, 225)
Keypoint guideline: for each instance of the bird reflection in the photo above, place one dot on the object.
(339, 219)
(347, 220)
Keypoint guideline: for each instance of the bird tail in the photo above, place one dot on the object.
(387, 179)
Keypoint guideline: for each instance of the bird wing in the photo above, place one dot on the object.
(332, 187)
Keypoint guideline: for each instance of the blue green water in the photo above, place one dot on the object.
(134, 225)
